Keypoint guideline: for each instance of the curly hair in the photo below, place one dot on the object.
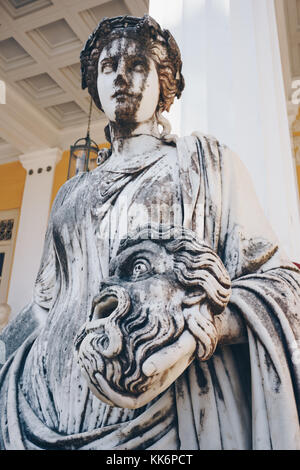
(196, 266)
(200, 271)
(159, 42)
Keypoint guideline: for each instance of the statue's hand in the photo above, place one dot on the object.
(199, 339)
(200, 322)
(182, 351)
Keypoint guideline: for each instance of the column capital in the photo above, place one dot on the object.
(40, 158)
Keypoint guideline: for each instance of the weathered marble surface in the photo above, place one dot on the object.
(152, 316)
(55, 401)
(216, 363)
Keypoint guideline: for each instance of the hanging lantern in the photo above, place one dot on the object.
(83, 154)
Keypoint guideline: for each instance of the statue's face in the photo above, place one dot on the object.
(137, 314)
(128, 83)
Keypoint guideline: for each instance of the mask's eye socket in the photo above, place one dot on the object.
(140, 268)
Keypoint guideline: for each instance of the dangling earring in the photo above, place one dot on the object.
(166, 131)
(164, 123)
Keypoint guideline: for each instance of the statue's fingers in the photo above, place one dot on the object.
(168, 356)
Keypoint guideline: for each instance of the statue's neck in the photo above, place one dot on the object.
(131, 139)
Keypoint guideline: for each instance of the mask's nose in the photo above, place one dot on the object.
(108, 308)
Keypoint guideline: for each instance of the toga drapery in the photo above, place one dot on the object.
(244, 397)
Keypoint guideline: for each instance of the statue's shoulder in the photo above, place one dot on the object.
(71, 187)
(204, 137)
(213, 149)
(209, 140)
(208, 147)
(206, 140)
(18, 330)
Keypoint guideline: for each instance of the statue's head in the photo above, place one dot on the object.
(132, 68)
(163, 291)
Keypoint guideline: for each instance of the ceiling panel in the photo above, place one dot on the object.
(13, 55)
(40, 44)
(20, 8)
(73, 74)
(40, 86)
(93, 15)
(55, 38)
(67, 114)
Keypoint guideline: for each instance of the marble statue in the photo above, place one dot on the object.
(157, 282)
(164, 313)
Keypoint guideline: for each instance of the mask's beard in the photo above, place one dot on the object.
(144, 331)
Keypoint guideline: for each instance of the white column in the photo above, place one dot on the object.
(34, 215)
(235, 91)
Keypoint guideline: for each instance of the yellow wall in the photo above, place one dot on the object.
(13, 176)
(61, 171)
(12, 181)
(60, 175)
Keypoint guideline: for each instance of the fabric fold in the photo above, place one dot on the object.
(244, 397)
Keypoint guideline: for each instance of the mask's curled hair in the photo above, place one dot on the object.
(159, 42)
(196, 266)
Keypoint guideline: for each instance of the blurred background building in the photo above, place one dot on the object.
(242, 69)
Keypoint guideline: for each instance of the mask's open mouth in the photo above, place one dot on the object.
(105, 307)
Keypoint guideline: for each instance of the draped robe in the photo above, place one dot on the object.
(244, 397)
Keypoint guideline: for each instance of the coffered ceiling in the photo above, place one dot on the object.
(40, 43)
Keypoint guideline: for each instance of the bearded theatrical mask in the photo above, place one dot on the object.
(151, 310)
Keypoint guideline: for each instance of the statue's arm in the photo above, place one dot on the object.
(264, 304)
(230, 327)
(31, 318)
(255, 299)
(265, 283)
(34, 315)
